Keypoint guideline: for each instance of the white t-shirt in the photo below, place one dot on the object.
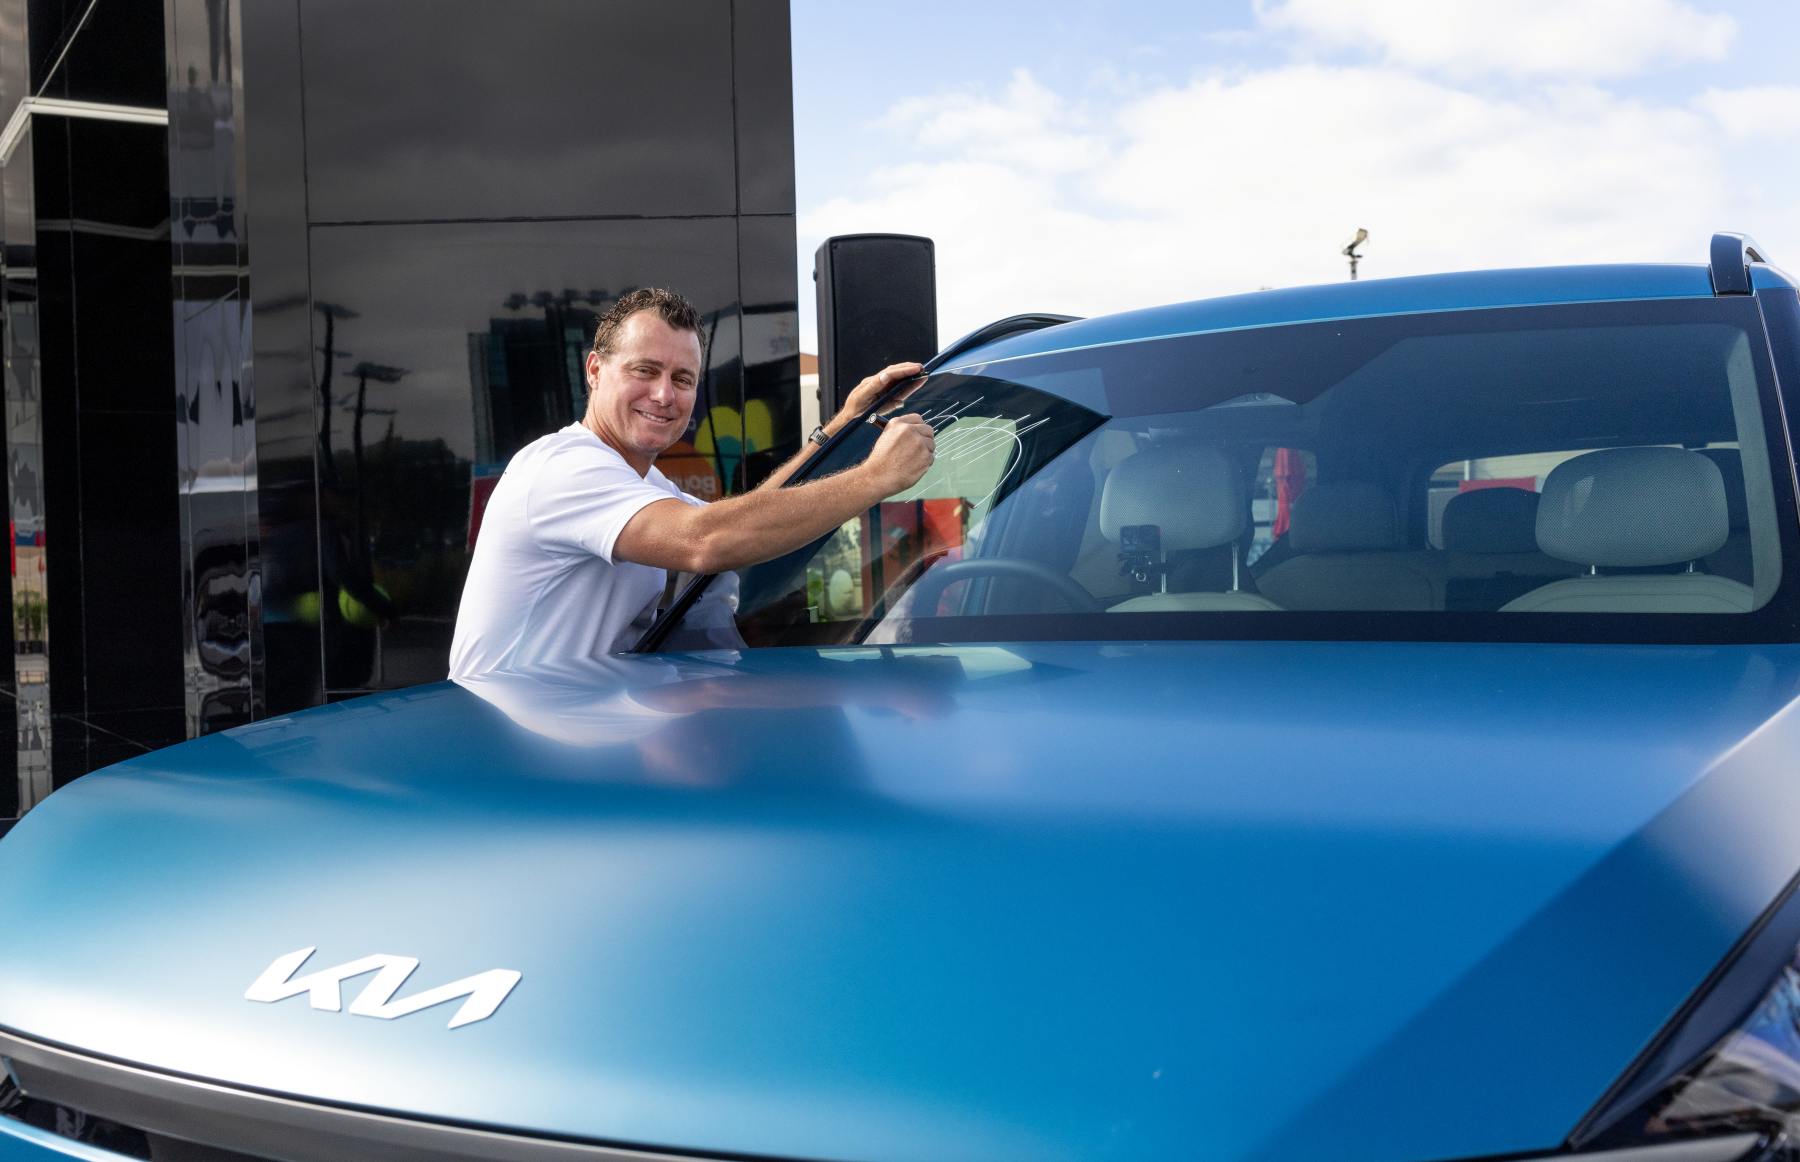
(543, 584)
(581, 701)
(592, 702)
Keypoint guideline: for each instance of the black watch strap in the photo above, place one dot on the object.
(819, 436)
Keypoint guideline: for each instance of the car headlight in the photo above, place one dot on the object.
(1729, 1061)
(1754, 1075)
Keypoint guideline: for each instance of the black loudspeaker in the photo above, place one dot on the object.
(877, 305)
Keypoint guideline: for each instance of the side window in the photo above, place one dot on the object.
(837, 576)
(992, 437)
(928, 522)
(1282, 476)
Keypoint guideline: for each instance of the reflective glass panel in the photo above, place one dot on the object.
(441, 350)
(609, 108)
(765, 107)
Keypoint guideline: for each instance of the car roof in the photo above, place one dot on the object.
(1466, 290)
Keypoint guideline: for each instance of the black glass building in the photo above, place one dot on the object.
(286, 282)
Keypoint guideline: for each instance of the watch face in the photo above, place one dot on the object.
(818, 436)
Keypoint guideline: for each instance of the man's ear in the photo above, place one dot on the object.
(592, 367)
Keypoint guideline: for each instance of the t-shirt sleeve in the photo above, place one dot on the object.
(675, 490)
(579, 503)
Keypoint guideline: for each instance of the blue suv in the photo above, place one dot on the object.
(1351, 722)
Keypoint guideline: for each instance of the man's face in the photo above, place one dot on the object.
(640, 396)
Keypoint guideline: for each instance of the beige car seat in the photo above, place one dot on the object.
(1491, 554)
(1196, 498)
(1633, 508)
(1349, 554)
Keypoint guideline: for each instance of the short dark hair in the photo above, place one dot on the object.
(670, 307)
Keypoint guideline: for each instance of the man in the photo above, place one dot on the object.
(579, 534)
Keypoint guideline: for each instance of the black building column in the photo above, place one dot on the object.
(221, 583)
(26, 718)
(90, 397)
(288, 661)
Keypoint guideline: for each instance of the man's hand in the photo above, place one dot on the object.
(866, 393)
(902, 455)
(861, 400)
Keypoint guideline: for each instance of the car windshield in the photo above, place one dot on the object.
(1597, 472)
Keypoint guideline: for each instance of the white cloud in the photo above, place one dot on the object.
(1589, 39)
(1761, 111)
(1226, 184)
(1028, 126)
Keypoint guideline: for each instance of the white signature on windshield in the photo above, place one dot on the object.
(971, 439)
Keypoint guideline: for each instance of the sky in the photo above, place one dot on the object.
(1084, 158)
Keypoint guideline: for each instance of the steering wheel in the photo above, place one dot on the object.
(930, 587)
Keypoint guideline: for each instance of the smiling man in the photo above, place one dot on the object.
(580, 533)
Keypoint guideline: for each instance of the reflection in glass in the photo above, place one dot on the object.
(539, 121)
(771, 344)
(25, 485)
(441, 350)
(216, 419)
(764, 91)
(285, 649)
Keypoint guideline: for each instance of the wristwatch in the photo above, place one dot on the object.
(820, 436)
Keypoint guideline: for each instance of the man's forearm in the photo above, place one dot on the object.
(788, 467)
(767, 522)
(793, 463)
(743, 530)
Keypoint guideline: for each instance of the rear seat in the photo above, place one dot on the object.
(1349, 554)
(1491, 552)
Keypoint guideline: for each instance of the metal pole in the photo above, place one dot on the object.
(1349, 251)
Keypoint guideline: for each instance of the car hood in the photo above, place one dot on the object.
(1239, 900)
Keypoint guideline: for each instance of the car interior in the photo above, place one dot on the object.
(1552, 485)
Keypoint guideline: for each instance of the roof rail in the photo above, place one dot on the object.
(1730, 262)
(1011, 325)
